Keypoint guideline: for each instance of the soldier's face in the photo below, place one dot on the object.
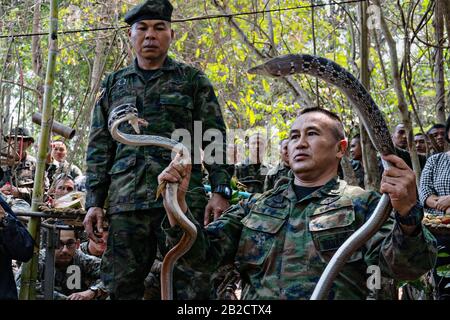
(151, 39)
(64, 187)
(59, 151)
(66, 248)
(439, 135)
(399, 137)
(314, 149)
(355, 149)
(421, 144)
(22, 145)
(257, 148)
(284, 152)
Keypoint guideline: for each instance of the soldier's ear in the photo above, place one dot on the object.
(341, 148)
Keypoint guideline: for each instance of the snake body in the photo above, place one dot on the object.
(129, 113)
(377, 130)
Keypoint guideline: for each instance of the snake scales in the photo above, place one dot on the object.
(376, 127)
(281, 66)
(129, 113)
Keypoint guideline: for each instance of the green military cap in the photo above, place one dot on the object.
(20, 132)
(150, 10)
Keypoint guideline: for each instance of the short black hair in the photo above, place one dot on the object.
(419, 134)
(447, 128)
(338, 130)
(357, 136)
(67, 227)
(436, 126)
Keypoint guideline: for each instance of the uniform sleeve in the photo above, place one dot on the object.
(208, 111)
(400, 256)
(100, 153)
(16, 241)
(269, 182)
(216, 245)
(426, 182)
(90, 265)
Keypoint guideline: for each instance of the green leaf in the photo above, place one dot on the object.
(266, 85)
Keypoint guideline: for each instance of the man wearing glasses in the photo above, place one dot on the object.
(77, 275)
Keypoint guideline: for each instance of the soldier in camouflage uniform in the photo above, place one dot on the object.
(281, 170)
(68, 254)
(283, 239)
(58, 163)
(170, 95)
(357, 161)
(252, 173)
(16, 182)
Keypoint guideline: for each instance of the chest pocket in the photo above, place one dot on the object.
(177, 109)
(123, 102)
(261, 227)
(331, 225)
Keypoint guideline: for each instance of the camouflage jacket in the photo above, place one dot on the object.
(90, 275)
(281, 246)
(252, 176)
(173, 98)
(55, 168)
(274, 175)
(21, 176)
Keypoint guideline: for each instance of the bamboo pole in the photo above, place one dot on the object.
(29, 275)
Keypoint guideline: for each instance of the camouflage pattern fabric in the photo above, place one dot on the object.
(252, 176)
(173, 98)
(56, 168)
(133, 241)
(21, 176)
(282, 245)
(90, 275)
(123, 178)
(274, 175)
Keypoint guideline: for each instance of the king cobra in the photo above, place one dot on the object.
(129, 113)
(376, 127)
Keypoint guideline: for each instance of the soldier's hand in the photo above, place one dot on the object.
(216, 206)
(399, 182)
(93, 217)
(177, 172)
(84, 295)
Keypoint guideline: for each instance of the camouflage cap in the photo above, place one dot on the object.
(20, 133)
(150, 10)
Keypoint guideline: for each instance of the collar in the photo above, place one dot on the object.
(168, 65)
(331, 189)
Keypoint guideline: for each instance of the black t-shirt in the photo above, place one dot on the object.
(302, 192)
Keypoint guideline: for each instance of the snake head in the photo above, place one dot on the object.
(136, 122)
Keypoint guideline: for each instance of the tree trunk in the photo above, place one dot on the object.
(36, 52)
(439, 61)
(446, 9)
(370, 161)
(402, 105)
(349, 173)
(30, 269)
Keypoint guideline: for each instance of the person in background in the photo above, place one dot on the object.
(434, 194)
(15, 244)
(281, 170)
